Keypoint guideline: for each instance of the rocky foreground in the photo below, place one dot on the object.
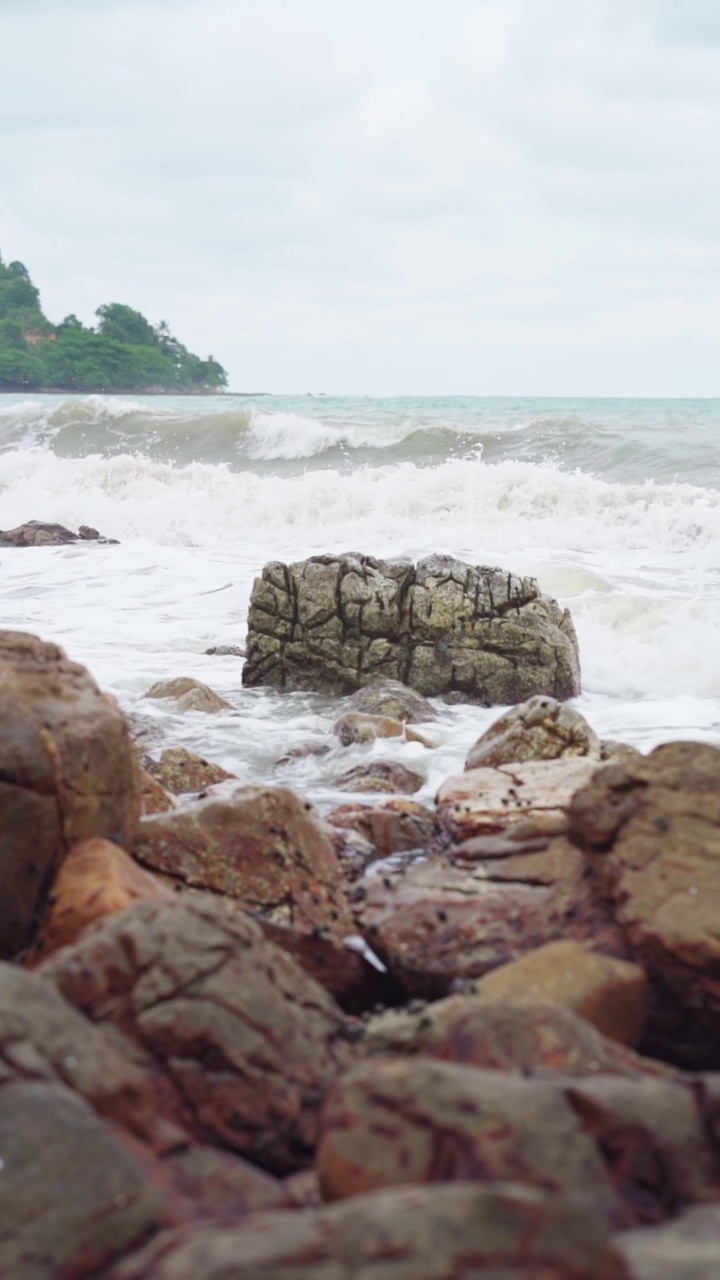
(237, 1042)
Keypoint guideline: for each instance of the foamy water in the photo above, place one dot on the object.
(613, 506)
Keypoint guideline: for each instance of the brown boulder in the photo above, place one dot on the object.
(179, 771)
(437, 921)
(651, 830)
(459, 1232)
(380, 775)
(539, 729)
(37, 533)
(356, 726)
(610, 993)
(67, 772)
(190, 694)
(687, 1248)
(96, 879)
(534, 796)
(395, 1121)
(72, 1197)
(518, 1036)
(153, 797)
(391, 826)
(242, 1042)
(394, 699)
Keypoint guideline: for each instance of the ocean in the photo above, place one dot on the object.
(613, 505)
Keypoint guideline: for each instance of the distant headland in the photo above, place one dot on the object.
(123, 354)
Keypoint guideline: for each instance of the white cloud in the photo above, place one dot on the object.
(396, 198)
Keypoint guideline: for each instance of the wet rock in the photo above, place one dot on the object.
(357, 727)
(611, 994)
(394, 1121)
(378, 776)
(190, 695)
(203, 1184)
(226, 651)
(337, 623)
(179, 771)
(269, 850)
(394, 699)
(73, 1197)
(96, 879)
(153, 797)
(687, 1248)
(303, 751)
(524, 1036)
(651, 829)
(534, 796)
(539, 729)
(243, 1044)
(36, 533)
(67, 772)
(390, 826)
(502, 1232)
(438, 921)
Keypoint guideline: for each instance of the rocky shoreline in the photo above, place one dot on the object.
(240, 1038)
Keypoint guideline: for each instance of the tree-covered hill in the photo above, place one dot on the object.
(124, 352)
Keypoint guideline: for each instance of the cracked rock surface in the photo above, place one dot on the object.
(244, 1042)
(337, 623)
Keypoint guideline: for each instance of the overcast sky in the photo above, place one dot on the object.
(399, 196)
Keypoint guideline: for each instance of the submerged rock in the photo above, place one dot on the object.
(337, 623)
(190, 694)
(36, 533)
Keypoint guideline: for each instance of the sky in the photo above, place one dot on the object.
(505, 197)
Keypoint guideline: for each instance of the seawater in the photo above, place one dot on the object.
(613, 505)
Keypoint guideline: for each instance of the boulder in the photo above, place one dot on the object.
(36, 533)
(651, 830)
(67, 772)
(270, 851)
(337, 623)
(179, 771)
(518, 1035)
(190, 695)
(459, 1232)
(397, 1121)
(380, 775)
(610, 993)
(534, 797)
(72, 1197)
(438, 920)
(391, 826)
(357, 727)
(394, 699)
(242, 1043)
(539, 729)
(153, 797)
(96, 879)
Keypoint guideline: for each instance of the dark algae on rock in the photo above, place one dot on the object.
(337, 623)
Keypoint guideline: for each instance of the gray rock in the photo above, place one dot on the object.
(37, 533)
(539, 729)
(335, 624)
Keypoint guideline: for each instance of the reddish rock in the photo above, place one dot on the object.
(539, 729)
(610, 993)
(356, 726)
(241, 1042)
(516, 1036)
(533, 797)
(153, 797)
(269, 850)
(394, 1121)
(438, 921)
(179, 770)
(651, 830)
(391, 826)
(67, 772)
(380, 775)
(96, 879)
